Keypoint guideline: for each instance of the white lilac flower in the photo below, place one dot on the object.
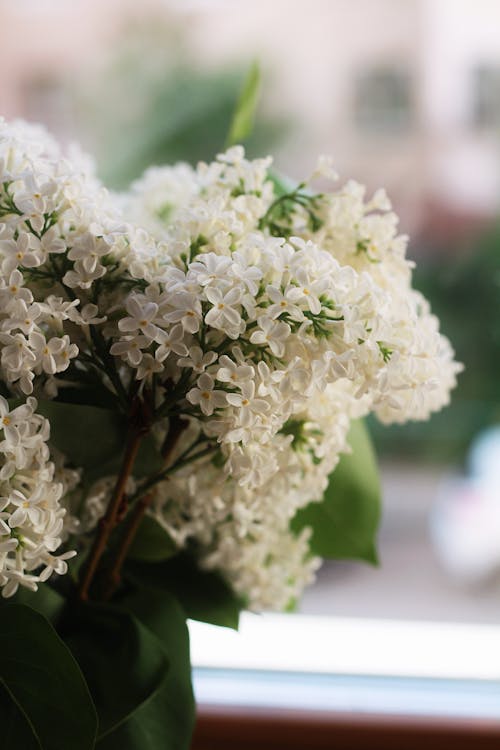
(148, 367)
(12, 288)
(141, 317)
(283, 303)
(272, 334)
(210, 268)
(53, 355)
(130, 349)
(248, 274)
(248, 405)
(232, 372)
(31, 514)
(79, 276)
(171, 343)
(21, 316)
(20, 252)
(186, 310)
(206, 396)
(223, 314)
(197, 360)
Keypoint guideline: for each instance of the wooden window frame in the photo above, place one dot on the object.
(237, 728)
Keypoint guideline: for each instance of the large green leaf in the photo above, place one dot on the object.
(344, 524)
(243, 117)
(152, 543)
(17, 731)
(44, 691)
(204, 595)
(123, 662)
(94, 439)
(167, 720)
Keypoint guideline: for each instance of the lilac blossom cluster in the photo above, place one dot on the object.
(263, 320)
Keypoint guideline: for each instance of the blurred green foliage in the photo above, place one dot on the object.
(152, 104)
(464, 293)
(185, 120)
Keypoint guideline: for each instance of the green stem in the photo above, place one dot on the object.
(109, 365)
(183, 460)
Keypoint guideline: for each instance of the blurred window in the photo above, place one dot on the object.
(41, 7)
(46, 100)
(279, 683)
(383, 100)
(486, 97)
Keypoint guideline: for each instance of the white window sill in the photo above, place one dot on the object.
(343, 664)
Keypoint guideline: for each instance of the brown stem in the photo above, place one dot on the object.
(109, 521)
(113, 576)
(176, 428)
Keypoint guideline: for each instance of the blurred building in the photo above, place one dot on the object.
(402, 94)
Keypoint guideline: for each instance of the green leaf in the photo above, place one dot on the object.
(167, 720)
(152, 543)
(123, 662)
(204, 595)
(46, 601)
(94, 439)
(344, 524)
(243, 117)
(43, 681)
(17, 731)
(87, 435)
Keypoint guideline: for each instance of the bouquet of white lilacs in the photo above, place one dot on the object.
(180, 366)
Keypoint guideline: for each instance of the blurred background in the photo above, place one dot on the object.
(404, 95)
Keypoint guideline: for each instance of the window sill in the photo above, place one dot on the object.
(239, 728)
(290, 682)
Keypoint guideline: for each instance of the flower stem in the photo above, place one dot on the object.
(185, 458)
(110, 519)
(113, 577)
